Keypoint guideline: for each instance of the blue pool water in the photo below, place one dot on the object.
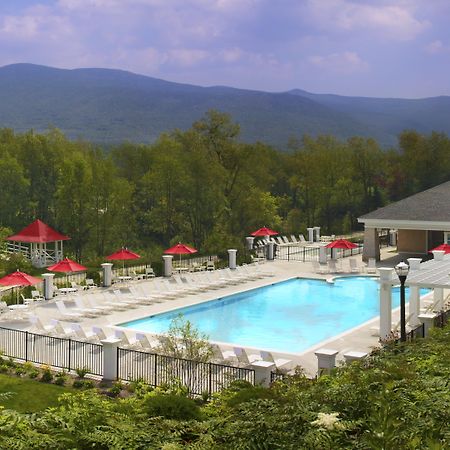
(288, 317)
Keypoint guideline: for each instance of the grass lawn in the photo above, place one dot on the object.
(29, 395)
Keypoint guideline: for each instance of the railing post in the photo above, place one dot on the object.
(26, 346)
(156, 369)
(210, 378)
(70, 354)
(289, 252)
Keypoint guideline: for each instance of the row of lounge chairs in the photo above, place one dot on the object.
(99, 303)
(353, 266)
(147, 342)
(283, 240)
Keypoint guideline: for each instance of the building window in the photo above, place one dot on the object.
(447, 237)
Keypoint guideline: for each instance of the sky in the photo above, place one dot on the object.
(377, 48)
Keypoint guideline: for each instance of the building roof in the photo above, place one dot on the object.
(39, 232)
(432, 205)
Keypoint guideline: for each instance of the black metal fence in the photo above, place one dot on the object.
(58, 352)
(296, 253)
(418, 332)
(442, 318)
(277, 376)
(307, 254)
(198, 377)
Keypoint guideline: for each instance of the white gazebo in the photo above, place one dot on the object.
(38, 235)
(433, 274)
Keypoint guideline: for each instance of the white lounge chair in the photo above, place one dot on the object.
(65, 313)
(333, 267)
(319, 268)
(279, 362)
(354, 267)
(36, 295)
(80, 334)
(81, 308)
(371, 266)
(302, 239)
(294, 239)
(149, 273)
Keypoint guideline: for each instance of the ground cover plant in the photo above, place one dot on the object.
(398, 398)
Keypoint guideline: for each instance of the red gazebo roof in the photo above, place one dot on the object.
(38, 231)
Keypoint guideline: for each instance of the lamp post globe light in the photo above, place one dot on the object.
(402, 270)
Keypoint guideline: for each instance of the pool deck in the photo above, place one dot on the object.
(361, 338)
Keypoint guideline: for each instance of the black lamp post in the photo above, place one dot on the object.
(402, 270)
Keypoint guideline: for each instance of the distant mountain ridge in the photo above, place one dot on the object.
(110, 106)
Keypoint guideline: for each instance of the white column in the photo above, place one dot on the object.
(232, 258)
(263, 370)
(414, 306)
(48, 285)
(323, 254)
(438, 255)
(310, 235)
(317, 234)
(393, 238)
(249, 241)
(414, 263)
(354, 356)
(107, 274)
(385, 301)
(371, 244)
(428, 321)
(110, 358)
(167, 265)
(270, 252)
(326, 360)
(438, 299)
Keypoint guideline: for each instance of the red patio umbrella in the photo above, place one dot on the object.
(19, 279)
(180, 249)
(122, 255)
(342, 243)
(442, 247)
(264, 231)
(67, 266)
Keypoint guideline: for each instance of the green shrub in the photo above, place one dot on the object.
(82, 371)
(172, 407)
(60, 378)
(4, 368)
(83, 384)
(20, 371)
(33, 373)
(46, 376)
(249, 394)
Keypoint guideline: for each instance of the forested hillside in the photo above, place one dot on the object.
(109, 106)
(203, 186)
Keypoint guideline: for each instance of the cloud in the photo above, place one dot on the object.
(395, 20)
(342, 63)
(436, 47)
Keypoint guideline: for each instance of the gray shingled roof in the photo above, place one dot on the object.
(432, 205)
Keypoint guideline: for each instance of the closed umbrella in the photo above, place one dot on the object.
(19, 278)
(180, 249)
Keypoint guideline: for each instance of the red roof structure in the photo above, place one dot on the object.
(39, 232)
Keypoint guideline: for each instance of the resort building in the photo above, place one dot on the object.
(421, 222)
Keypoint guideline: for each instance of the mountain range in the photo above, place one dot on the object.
(110, 106)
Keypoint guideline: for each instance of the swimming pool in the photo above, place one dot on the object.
(290, 316)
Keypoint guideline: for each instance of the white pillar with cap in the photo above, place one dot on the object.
(167, 265)
(310, 235)
(232, 258)
(107, 274)
(385, 301)
(48, 285)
